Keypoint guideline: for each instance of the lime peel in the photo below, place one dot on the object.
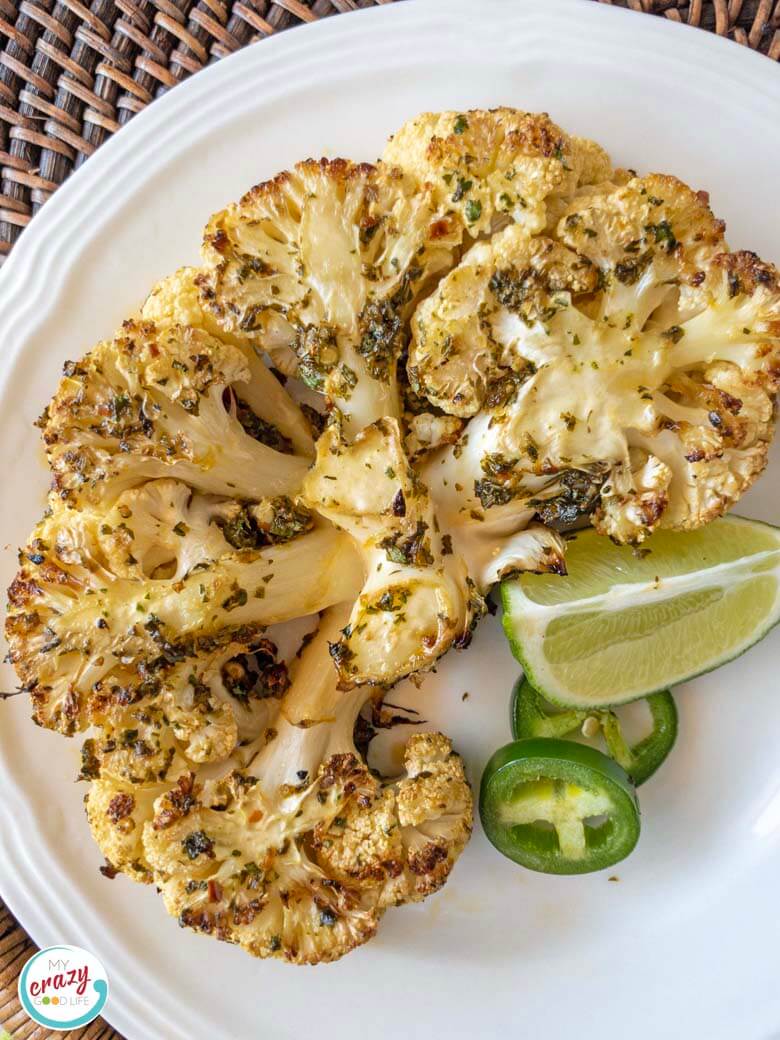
(637, 637)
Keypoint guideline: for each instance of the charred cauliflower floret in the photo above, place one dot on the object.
(509, 340)
(160, 401)
(639, 357)
(498, 166)
(73, 622)
(116, 813)
(418, 599)
(329, 259)
(415, 830)
(298, 854)
(153, 731)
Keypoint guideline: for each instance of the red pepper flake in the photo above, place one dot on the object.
(439, 228)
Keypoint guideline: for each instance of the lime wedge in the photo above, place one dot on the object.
(625, 623)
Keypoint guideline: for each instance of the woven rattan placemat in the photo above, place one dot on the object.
(73, 72)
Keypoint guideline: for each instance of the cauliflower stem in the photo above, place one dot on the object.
(298, 853)
(385, 388)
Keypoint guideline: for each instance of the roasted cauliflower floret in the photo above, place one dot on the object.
(510, 340)
(418, 599)
(493, 167)
(278, 420)
(159, 401)
(150, 734)
(135, 743)
(329, 259)
(651, 241)
(643, 399)
(233, 863)
(73, 623)
(162, 529)
(457, 357)
(412, 834)
(298, 854)
(165, 530)
(116, 814)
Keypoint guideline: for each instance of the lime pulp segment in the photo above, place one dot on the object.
(622, 625)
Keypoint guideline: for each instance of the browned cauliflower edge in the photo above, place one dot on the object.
(386, 387)
(298, 853)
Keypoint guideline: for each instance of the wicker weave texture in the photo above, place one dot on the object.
(72, 72)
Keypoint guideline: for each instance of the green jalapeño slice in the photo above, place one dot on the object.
(558, 807)
(532, 716)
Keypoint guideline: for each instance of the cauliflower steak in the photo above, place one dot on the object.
(385, 388)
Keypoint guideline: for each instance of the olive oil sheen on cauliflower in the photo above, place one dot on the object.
(386, 387)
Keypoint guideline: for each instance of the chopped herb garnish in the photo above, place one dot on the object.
(674, 333)
(473, 211)
(237, 598)
(463, 188)
(663, 234)
(198, 844)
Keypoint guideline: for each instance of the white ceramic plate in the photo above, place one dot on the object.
(685, 945)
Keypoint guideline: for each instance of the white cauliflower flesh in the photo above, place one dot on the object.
(297, 853)
(328, 259)
(418, 598)
(386, 388)
(627, 367)
(74, 621)
(498, 166)
(284, 426)
(163, 528)
(161, 401)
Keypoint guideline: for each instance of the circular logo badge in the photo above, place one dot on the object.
(63, 987)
